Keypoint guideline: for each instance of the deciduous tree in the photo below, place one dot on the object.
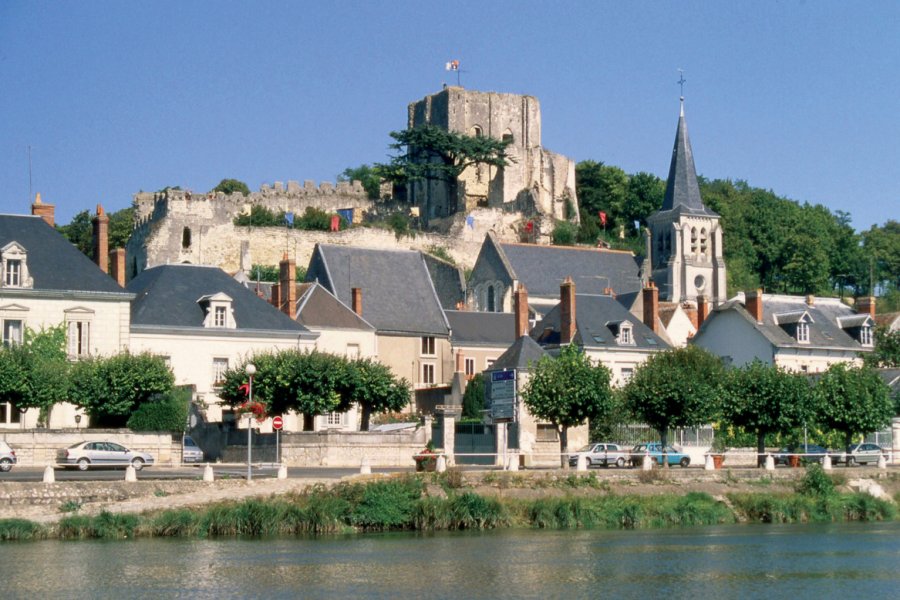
(853, 401)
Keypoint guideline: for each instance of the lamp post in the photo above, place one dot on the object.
(251, 371)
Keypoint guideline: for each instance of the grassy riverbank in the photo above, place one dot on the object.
(444, 502)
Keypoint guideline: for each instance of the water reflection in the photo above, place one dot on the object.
(847, 560)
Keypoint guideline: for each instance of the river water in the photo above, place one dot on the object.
(737, 561)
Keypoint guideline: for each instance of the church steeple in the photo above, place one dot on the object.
(682, 189)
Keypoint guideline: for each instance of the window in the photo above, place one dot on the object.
(625, 336)
(627, 373)
(865, 336)
(694, 240)
(79, 338)
(12, 277)
(547, 433)
(490, 362)
(428, 346)
(803, 333)
(491, 303)
(477, 131)
(703, 243)
(186, 238)
(353, 351)
(220, 313)
(470, 367)
(428, 373)
(220, 365)
(334, 419)
(12, 332)
(9, 414)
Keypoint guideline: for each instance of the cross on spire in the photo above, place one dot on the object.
(681, 82)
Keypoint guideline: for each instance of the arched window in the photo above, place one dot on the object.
(508, 137)
(186, 238)
(693, 240)
(476, 131)
(704, 247)
(490, 299)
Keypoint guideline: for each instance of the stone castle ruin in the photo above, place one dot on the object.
(178, 226)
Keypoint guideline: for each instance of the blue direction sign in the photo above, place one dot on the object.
(501, 395)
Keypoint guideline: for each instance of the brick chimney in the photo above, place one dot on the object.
(754, 304)
(356, 300)
(275, 299)
(287, 282)
(810, 300)
(651, 306)
(460, 362)
(702, 310)
(45, 211)
(117, 265)
(866, 304)
(566, 311)
(101, 239)
(608, 291)
(520, 307)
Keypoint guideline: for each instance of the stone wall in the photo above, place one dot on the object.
(38, 448)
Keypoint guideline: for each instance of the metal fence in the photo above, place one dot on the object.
(638, 433)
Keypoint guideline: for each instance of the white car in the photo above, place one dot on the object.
(7, 457)
(85, 455)
(191, 451)
(601, 454)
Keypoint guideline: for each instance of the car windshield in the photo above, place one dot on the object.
(189, 442)
(76, 445)
(587, 448)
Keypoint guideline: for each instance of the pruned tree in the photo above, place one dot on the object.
(676, 388)
(764, 399)
(567, 391)
(231, 186)
(854, 401)
(34, 374)
(374, 387)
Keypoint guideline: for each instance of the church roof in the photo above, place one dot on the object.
(682, 189)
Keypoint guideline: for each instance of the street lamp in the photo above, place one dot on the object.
(251, 371)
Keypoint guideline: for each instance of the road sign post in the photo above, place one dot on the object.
(277, 424)
(502, 396)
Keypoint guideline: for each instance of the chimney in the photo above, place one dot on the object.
(44, 211)
(521, 311)
(702, 310)
(608, 291)
(754, 304)
(101, 239)
(287, 282)
(651, 307)
(356, 300)
(566, 311)
(117, 265)
(690, 309)
(460, 362)
(866, 304)
(275, 299)
(810, 300)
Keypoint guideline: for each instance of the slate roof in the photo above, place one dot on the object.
(824, 329)
(449, 281)
(596, 321)
(471, 328)
(316, 307)
(523, 354)
(166, 296)
(54, 264)
(682, 189)
(543, 268)
(398, 296)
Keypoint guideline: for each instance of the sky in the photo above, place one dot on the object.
(114, 97)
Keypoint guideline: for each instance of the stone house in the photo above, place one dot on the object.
(479, 338)
(46, 282)
(803, 334)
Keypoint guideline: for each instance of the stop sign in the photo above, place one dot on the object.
(277, 423)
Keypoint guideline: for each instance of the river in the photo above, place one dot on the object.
(737, 561)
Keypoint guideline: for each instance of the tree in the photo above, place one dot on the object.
(676, 388)
(886, 354)
(765, 399)
(232, 186)
(431, 153)
(567, 391)
(34, 374)
(473, 399)
(111, 388)
(80, 230)
(163, 412)
(375, 388)
(853, 401)
(369, 177)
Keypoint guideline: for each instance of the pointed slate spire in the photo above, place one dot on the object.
(682, 189)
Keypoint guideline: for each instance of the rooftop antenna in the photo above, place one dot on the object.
(30, 193)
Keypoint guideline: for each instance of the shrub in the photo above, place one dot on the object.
(20, 530)
(816, 482)
(564, 234)
(169, 413)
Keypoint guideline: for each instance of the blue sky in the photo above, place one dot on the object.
(117, 97)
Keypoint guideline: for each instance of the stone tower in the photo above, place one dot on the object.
(535, 181)
(685, 236)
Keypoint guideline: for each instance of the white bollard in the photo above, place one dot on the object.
(208, 474)
(364, 467)
(708, 464)
(826, 463)
(282, 472)
(770, 462)
(581, 463)
(49, 475)
(513, 463)
(882, 462)
(441, 465)
(130, 474)
(647, 465)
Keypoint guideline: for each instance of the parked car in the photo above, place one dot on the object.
(85, 455)
(602, 454)
(192, 452)
(655, 450)
(7, 457)
(862, 454)
(810, 452)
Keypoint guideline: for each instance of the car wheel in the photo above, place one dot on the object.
(620, 462)
(851, 461)
(138, 464)
(5, 465)
(83, 464)
(685, 462)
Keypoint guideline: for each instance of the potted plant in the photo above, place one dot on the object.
(426, 460)
(718, 451)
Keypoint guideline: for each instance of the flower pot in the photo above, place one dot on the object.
(428, 465)
(718, 459)
(794, 461)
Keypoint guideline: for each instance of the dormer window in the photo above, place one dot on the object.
(219, 311)
(623, 330)
(795, 324)
(220, 316)
(14, 266)
(625, 338)
(859, 327)
(803, 333)
(865, 336)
